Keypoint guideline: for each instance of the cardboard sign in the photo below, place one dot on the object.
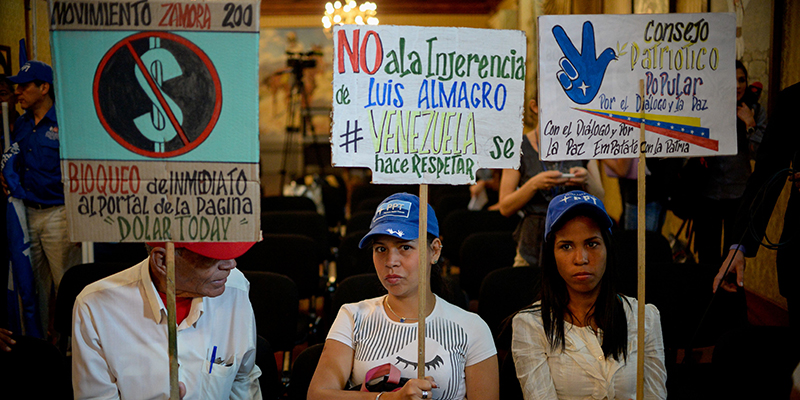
(427, 105)
(589, 72)
(158, 130)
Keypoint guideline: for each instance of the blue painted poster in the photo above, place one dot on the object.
(158, 110)
(590, 67)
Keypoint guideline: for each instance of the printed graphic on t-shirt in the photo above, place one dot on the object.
(379, 341)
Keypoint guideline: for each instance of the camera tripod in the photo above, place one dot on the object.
(298, 113)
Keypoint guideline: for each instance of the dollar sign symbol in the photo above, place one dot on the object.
(162, 66)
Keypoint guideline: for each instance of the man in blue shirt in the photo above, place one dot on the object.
(38, 166)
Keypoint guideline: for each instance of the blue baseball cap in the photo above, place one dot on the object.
(31, 71)
(576, 202)
(398, 216)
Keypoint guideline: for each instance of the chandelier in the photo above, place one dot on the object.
(349, 13)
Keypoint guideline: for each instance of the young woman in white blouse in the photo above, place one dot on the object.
(460, 356)
(579, 340)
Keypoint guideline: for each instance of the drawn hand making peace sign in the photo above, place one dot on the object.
(581, 73)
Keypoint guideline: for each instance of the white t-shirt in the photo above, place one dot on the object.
(455, 339)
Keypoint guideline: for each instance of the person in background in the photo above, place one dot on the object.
(778, 151)
(530, 188)
(626, 170)
(35, 139)
(484, 193)
(720, 198)
(577, 341)
(120, 339)
(459, 345)
(7, 95)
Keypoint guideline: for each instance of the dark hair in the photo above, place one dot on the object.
(740, 65)
(438, 284)
(5, 81)
(50, 93)
(608, 312)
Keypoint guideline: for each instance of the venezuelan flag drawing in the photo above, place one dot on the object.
(687, 129)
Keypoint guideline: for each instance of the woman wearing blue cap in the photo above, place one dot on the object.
(579, 340)
(460, 356)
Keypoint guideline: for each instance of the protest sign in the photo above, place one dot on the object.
(158, 130)
(427, 105)
(589, 72)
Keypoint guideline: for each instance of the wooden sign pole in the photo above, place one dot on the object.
(174, 391)
(423, 278)
(641, 216)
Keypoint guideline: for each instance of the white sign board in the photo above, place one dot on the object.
(589, 72)
(427, 105)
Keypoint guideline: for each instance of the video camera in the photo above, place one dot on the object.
(302, 60)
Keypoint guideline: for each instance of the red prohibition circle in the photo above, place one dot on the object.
(191, 145)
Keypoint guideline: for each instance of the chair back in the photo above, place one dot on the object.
(356, 288)
(369, 190)
(625, 244)
(307, 223)
(351, 260)
(360, 221)
(276, 307)
(462, 223)
(270, 380)
(481, 253)
(448, 203)
(437, 193)
(73, 282)
(289, 254)
(505, 291)
(303, 370)
(287, 203)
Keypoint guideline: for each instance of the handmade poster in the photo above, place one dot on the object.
(427, 105)
(589, 72)
(158, 110)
